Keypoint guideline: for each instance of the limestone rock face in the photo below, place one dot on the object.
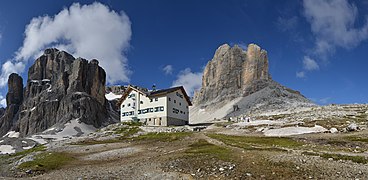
(240, 79)
(14, 98)
(231, 72)
(118, 90)
(59, 88)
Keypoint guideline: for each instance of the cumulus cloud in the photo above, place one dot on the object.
(310, 64)
(286, 24)
(190, 80)
(168, 69)
(88, 31)
(10, 67)
(334, 25)
(300, 74)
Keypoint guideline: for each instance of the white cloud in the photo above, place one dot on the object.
(190, 80)
(2, 101)
(333, 22)
(88, 31)
(10, 67)
(310, 64)
(168, 69)
(300, 74)
(287, 24)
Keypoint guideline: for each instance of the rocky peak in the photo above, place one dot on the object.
(59, 88)
(240, 79)
(232, 70)
(15, 90)
(14, 99)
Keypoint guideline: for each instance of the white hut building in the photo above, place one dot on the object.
(164, 107)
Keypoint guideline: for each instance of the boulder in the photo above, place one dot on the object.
(352, 127)
(333, 130)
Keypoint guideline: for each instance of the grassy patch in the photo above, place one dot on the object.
(357, 138)
(336, 157)
(203, 148)
(308, 153)
(166, 137)
(34, 149)
(93, 142)
(132, 123)
(258, 143)
(127, 131)
(47, 161)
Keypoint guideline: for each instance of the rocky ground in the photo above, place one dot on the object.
(223, 150)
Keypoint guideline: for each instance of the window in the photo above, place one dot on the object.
(156, 99)
(123, 105)
(151, 100)
(161, 108)
(179, 104)
(174, 101)
(157, 109)
(129, 105)
(181, 112)
(139, 111)
(150, 109)
(179, 95)
(176, 111)
(141, 102)
(169, 99)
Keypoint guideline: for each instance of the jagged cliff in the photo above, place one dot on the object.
(59, 88)
(240, 77)
(231, 71)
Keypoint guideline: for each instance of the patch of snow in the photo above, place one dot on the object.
(39, 140)
(25, 142)
(289, 131)
(35, 81)
(34, 108)
(112, 96)
(46, 80)
(6, 149)
(49, 129)
(28, 147)
(1, 141)
(258, 122)
(12, 134)
(71, 129)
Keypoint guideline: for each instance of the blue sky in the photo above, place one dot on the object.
(317, 47)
